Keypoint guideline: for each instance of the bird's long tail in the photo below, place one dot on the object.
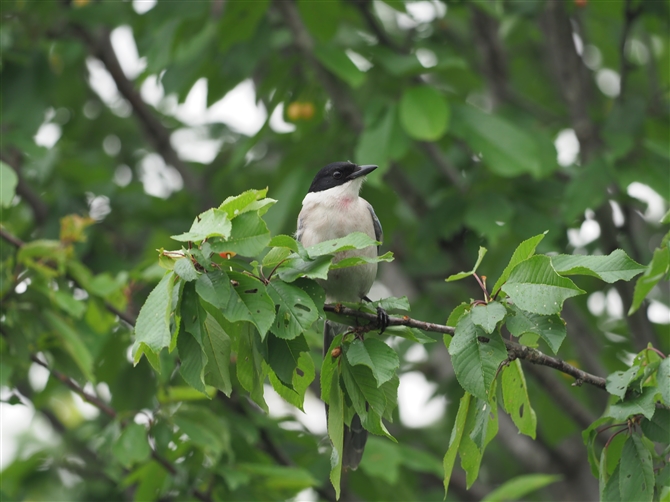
(355, 436)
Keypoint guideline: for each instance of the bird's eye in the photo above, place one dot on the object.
(337, 175)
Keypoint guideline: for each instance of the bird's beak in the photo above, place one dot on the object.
(361, 171)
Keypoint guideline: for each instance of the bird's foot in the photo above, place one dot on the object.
(382, 317)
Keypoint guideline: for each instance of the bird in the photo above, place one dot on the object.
(333, 209)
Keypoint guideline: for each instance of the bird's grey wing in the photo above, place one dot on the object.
(379, 232)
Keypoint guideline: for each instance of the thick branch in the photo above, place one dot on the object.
(515, 350)
(571, 74)
(74, 386)
(40, 209)
(157, 134)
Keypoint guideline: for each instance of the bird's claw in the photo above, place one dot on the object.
(382, 319)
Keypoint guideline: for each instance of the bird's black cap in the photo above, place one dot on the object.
(338, 173)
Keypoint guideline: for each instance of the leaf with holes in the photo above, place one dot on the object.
(283, 355)
(618, 382)
(240, 298)
(516, 400)
(302, 376)
(551, 328)
(636, 479)
(296, 311)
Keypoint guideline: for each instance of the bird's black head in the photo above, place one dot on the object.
(338, 173)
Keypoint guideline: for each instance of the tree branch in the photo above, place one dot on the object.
(40, 209)
(155, 131)
(514, 350)
(630, 15)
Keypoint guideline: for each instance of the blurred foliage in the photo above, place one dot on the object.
(459, 103)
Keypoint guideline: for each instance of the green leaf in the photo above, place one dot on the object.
(517, 488)
(550, 327)
(611, 492)
(73, 344)
(516, 400)
(184, 268)
(296, 311)
(251, 200)
(320, 18)
(336, 60)
(481, 426)
(279, 477)
(297, 267)
(329, 367)
(663, 379)
(535, 286)
(424, 113)
(153, 322)
(365, 381)
(352, 261)
(249, 236)
(636, 478)
(506, 149)
(250, 371)
(240, 23)
(283, 356)
(217, 344)
(376, 355)
(245, 299)
(274, 258)
(211, 223)
(618, 382)
(642, 404)
(382, 459)
(355, 240)
(617, 266)
(476, 357)
(206, 429)
(463, 275)
(132, 446)
(657, 269)
(523, 251)
(8, 182)
(485, 426)
(488, 316)
(455, 440)
(284, 241)
(658, 428)
(336, 432)
(589, 437)
(375, 143)
(302, 377)
(193, 361)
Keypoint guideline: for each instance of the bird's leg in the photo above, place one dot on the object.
(382, 316)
